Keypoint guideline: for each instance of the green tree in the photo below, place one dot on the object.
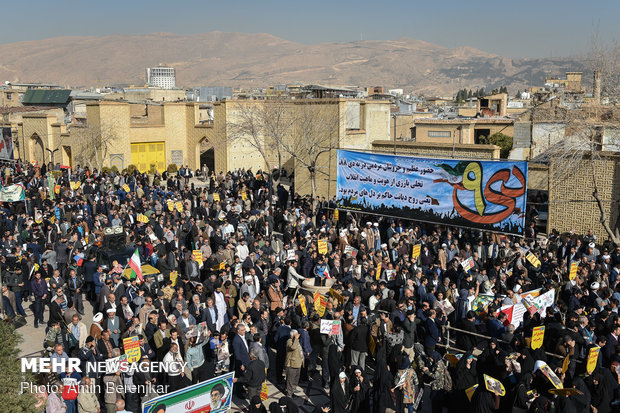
(501, 140)
(10, 398)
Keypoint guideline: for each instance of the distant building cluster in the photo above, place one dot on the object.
(154, 125)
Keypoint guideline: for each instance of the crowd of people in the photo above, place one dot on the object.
(412, 334)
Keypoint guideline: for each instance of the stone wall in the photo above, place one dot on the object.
(571, 205)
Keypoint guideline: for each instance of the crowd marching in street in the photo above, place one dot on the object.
(423, 317)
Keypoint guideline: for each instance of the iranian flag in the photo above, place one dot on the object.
(134, 263)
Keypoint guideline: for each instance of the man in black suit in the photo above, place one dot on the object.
(211, 315)
(466, 341)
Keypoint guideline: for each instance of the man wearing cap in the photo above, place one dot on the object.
(115, 324)
(595, 300)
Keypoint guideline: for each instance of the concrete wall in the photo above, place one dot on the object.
(438, 150)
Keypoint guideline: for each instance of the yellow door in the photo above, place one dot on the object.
(143, 155)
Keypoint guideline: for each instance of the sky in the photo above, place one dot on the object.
(525, 28)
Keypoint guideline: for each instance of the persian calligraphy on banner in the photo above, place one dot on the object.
(533, 259)
(573, 271)
(322, 243)
(330, 326)
(416, 251)
(488, 195)
(592, 359)
(538, 336)
(350, 250)
(132, 348)
(12, 193)
(320, 304)
(302, 303)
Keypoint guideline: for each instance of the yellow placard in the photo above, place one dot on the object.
(453, 359)
(322, 243)
(56, 189)
(565, 364)
(372, 345)
(538, 335)
(592, 359)
(216, 197)
(315, 297)
(533, 259)
(75, 185)
(126, 188)
(170, 203)
(337, 296)
(319, 305)
(302, 303)
(198, 255)
(378, 274)
(132, 348)
(264, 391)
(174, 275)
(470, 391)
(416, 251)
(336, 214)
(143, 218)
(179, 206)
(494, 385)
(244, 196)
(573, 271)
(566, 392)
(223, 265)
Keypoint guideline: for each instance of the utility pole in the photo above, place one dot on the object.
(394, 116)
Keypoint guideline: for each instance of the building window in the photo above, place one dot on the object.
(9, 96)
(438, 134)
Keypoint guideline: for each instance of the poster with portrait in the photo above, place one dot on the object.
(214, 396)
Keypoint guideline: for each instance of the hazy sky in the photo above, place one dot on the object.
(516, 28)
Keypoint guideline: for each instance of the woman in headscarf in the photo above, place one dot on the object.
(522, 398)
(382, 387)
(256, 405)
(360, 391)
(465, 378)
(492, 360)
(406, 393)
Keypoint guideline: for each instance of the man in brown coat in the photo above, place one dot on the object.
(275, 296)
(293, 363)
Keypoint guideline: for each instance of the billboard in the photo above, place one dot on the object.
(212, 396)
(487, 195)
(6, 144)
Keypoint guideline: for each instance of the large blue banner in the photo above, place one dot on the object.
(489, 195)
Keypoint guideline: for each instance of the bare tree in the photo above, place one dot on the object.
(581, 149)
(91, 144)
(603, 60)
(277, 120)
(316, 133)
(264, 126)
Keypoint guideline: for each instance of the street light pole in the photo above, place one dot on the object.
(52, 154)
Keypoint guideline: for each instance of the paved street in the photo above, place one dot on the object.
(309, 394)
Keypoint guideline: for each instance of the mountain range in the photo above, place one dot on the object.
(260, 60)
